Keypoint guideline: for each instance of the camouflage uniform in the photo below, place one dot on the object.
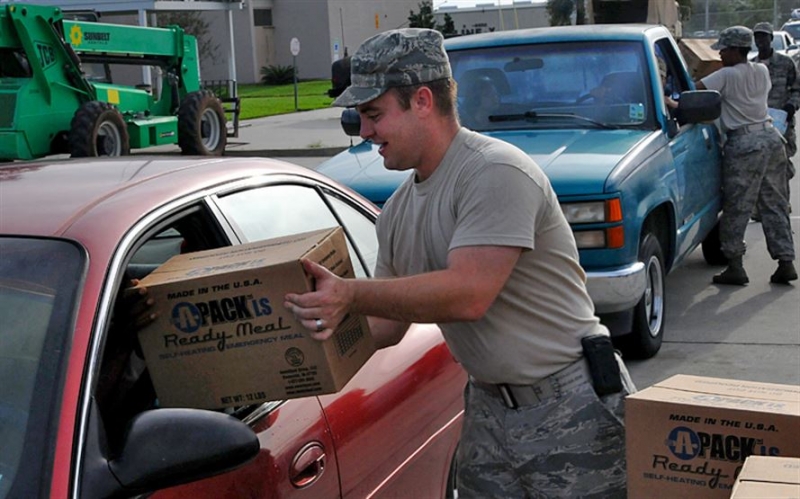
(753, 170)
(547, 448)
(785, 90)
(754, 174)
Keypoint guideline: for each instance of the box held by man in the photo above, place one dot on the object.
(222, 337)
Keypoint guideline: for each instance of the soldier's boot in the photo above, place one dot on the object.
(734, 274)
(785, 273)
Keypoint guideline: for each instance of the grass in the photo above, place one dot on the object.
(259, 100)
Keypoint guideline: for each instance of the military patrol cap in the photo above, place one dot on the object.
(735, 36)
(763, 27)
(394, 58)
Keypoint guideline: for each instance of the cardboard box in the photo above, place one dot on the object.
(701, 59)
(223, 337)
(772, 477)
(688, 436)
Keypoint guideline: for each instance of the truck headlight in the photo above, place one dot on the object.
(588, 212)
(596, 212)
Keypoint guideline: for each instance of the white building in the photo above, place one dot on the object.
(256, 33)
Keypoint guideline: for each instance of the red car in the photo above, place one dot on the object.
(72, 235)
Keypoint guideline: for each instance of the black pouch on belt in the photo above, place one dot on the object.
(599, 353)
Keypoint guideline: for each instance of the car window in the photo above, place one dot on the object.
(282, 210)
(39, 285)
(124, 388)
(575, 84)
(361, 228)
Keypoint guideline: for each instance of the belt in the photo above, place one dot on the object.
(756, 127)
(514, 396)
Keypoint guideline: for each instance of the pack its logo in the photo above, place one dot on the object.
(189, 317)
(687, 444)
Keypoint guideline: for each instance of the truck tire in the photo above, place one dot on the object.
(647, 333)
(201, 125)
(98, 129)
(712, 248)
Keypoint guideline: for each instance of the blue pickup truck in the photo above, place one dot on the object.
(639, 181)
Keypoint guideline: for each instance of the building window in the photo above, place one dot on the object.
(262, 17)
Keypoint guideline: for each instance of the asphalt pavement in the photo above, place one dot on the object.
(313, 134)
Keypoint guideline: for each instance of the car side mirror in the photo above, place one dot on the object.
(351, 122)
(167, 447)
(697, 106)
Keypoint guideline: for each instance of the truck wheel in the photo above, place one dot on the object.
(644, 341)
(201, 125)
(98, 129)
(712, 248)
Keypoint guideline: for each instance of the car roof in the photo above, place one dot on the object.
(585, 32)
(46, 198)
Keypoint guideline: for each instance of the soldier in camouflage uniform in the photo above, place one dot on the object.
(475, 241)
(754, 160)
(785, 92)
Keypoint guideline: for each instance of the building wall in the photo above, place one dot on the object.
(306, 20)
(491, 18)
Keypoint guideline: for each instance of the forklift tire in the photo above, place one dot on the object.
(201, 125)
(98, 129)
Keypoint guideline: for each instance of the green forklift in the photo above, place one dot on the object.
(57, 95)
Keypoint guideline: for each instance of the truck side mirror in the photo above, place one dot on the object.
(351, 122)
(697, 106)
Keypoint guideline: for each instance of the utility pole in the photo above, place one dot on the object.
(706, 26)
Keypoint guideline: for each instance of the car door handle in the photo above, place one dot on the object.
(308, 465)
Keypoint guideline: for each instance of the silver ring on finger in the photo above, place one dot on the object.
(320, 325)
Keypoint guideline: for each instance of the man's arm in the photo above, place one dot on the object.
(462, 292)
(699, 85)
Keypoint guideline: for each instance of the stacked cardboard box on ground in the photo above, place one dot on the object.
(223, 337)
(700, 58)
(768, 477)
(689, 436)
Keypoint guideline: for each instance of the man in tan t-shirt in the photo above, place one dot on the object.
(476, 242)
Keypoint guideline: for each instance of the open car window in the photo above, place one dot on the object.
(286, 209)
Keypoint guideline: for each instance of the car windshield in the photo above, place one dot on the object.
(556, 85)
(792, 29)
(39, 282)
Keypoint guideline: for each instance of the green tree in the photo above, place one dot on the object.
(560, 12)
(424, 19)
(448, 27)
(193, 23)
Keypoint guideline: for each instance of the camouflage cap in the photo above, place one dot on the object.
(763, 27)
(735, 36)
(394, 58)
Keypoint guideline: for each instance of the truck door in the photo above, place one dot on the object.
(695, 151)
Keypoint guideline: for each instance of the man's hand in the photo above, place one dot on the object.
(790, 110)
(322, 310)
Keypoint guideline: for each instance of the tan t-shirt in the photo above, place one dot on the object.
(744, 88)
(488, 192)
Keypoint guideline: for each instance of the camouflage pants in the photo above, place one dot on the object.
(791, 150)
(754, 175)
(569, 445)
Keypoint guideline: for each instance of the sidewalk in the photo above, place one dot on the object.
(301, 134)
